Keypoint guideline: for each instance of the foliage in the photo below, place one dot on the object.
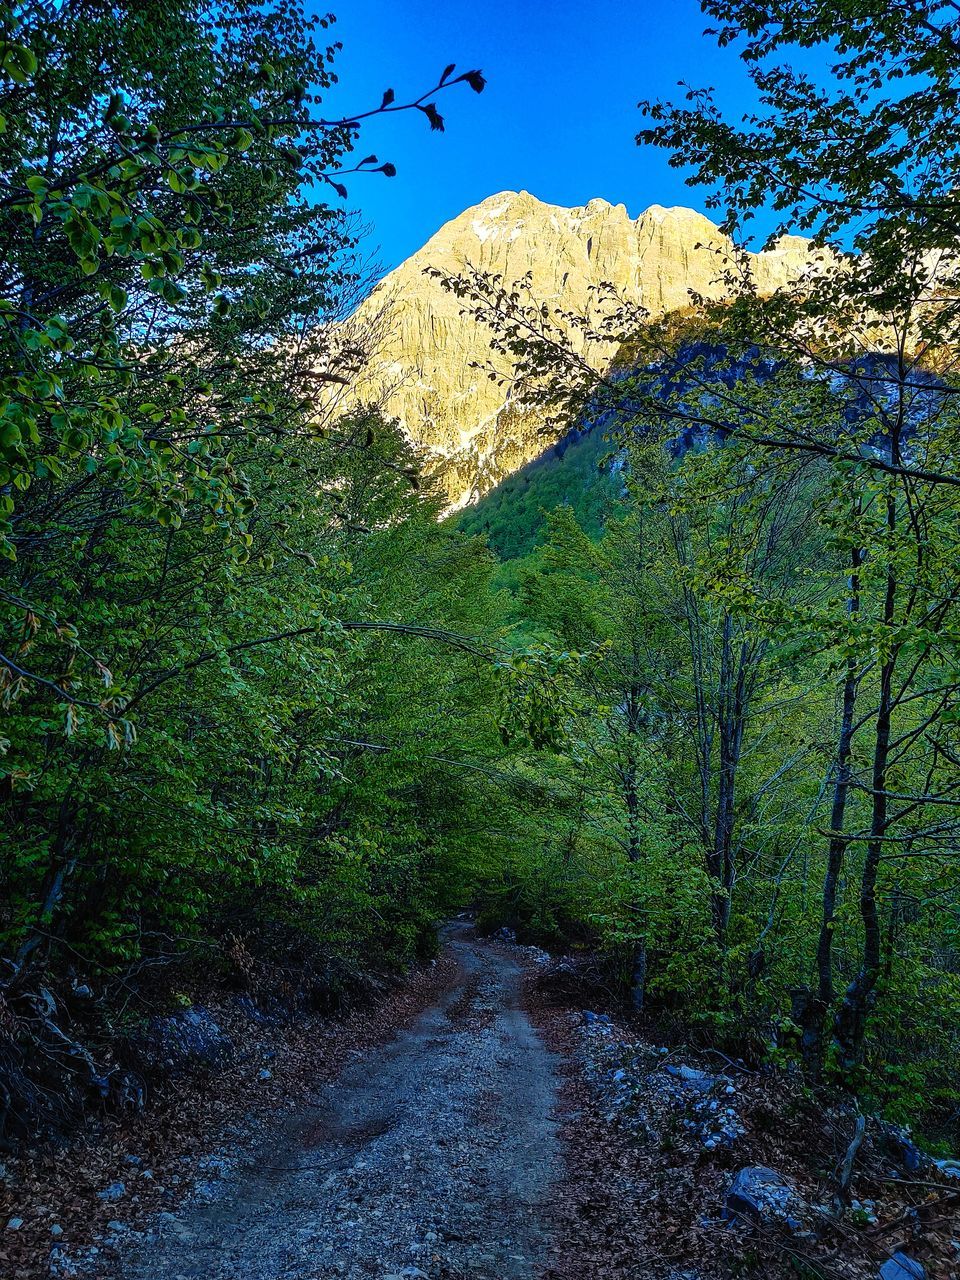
(778, 584)
(246, 676)
(580, 472)
(257, 696)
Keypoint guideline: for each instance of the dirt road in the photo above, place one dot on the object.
(434, 1157)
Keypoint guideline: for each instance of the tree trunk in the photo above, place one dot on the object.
(638, 976)
(860, 996)
(732, 710)
(810, 1012)
(850, 1024)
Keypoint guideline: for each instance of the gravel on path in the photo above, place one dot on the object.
(434, 1156)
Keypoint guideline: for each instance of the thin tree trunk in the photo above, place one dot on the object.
(638, 968)
(716, 860)
(859, 998)
(810, 1008)
(850, 1024)
(638, 976)
(732, 707)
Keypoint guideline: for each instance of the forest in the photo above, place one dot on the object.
(687, 699)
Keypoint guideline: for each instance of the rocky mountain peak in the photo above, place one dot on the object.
(427, 346)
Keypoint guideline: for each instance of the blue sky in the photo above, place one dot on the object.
(559, 115)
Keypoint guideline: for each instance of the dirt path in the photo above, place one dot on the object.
(434, 1158)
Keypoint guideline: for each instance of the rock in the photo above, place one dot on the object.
(128, 1090)
(187, 1039)
(56, 1231)
(901, 1146)
(912, 1157)
(758, 1193)
(264, 1074)
(426, 342)
(115, 1191)
(691, 1076)
(14, 1224)
(902, 1267)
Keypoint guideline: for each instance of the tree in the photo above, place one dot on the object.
(169, 269)
(184, 632)
(867, 164)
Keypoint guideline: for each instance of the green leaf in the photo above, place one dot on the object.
(19, 62)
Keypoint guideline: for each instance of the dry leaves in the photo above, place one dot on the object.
(185, 1119)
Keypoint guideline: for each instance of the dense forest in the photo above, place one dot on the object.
(687, 695)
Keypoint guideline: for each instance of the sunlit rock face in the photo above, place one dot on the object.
(427, 343)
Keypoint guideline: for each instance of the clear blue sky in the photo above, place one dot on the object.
(558, 117)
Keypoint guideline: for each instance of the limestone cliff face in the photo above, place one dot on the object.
(421, 369)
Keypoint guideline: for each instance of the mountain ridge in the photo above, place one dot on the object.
(426, 345)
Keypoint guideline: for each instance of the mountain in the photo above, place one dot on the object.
(426, 345)
(584, 470)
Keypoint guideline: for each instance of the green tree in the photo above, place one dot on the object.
(189, 662)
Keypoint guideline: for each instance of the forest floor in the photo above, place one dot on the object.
(476, 1125)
